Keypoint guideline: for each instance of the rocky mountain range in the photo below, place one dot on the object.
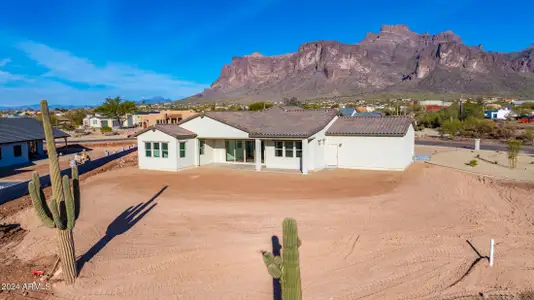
(394, 60)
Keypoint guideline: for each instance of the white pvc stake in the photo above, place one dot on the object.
(492, 250)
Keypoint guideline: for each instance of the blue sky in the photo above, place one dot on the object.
(80, 52)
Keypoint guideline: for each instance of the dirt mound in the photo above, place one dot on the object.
(14, 206)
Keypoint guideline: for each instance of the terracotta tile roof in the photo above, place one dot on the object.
(370, 126)
(14, 130)
(172, 130)
(277, 122)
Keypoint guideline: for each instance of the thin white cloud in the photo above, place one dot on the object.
(66, 72)
(5, 61)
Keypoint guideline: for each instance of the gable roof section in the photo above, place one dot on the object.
(276, 122)
(172, 130)
(13, 130)
(370, 126)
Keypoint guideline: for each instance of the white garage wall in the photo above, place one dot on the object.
(374, 153)
(8, 155)
(208, 128)
(317, 148)
(157, 163)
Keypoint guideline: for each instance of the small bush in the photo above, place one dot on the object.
(514, 146)
(105, 130)
(472, 163)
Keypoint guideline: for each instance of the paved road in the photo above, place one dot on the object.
(467, 145)
(103, 140)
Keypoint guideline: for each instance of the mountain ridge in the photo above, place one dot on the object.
(395, 59)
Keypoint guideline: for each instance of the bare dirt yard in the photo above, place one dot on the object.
(94, 150)
(490, 163)
(197, 234)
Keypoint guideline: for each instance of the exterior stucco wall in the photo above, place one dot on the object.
(373, 153)
(209, 149)
(208, 128)
(189, 159)
(8, 155)
(271, 161)
(317, 148)
(170, 163)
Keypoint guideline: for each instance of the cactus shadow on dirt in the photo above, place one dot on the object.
(277, 288)
(121, 224)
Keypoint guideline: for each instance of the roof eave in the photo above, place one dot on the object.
(366, 134)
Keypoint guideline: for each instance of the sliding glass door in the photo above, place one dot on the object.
(239, 151)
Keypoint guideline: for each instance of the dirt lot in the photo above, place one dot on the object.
(366, 235)
(458, 159)
(95, 151)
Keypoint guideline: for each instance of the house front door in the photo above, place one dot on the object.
(332, 155)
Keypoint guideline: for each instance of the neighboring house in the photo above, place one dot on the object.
(97, 121)
(347, 112)
(435, 102)
(351, 112)
(519, 102)
(165, 117)
(497, 114)
(367, 114)
(304, 140)
(21, 140)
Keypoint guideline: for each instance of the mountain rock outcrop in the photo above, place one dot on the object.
(394, 60)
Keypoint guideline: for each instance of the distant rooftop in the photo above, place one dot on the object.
(13, 130)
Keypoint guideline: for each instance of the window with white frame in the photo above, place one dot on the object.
(164, 150)
(156, 149)
(95, 122)
(182, 149)
(288, 149)
(202, 145)
(279, 149)
(148, 149)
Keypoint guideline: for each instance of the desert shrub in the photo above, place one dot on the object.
(503, 131)
(514, 146)
(472, 163)
(450, 127)
(528, 136)
(105, 130)
(476, 128)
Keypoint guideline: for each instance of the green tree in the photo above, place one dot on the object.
(259, 106)
(53, 119)
(450, 127)
(105, 130)
(292, 102)
(76, 116)
(476, 128)
(116, 108)
(514, 146)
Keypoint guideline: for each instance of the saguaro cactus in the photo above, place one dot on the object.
(287, 268)
(62, 211)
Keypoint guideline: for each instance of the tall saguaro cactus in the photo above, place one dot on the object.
(63, 209)
(287, 268)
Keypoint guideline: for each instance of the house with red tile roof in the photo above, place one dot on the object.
(279, 138)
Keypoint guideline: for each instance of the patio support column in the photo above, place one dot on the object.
(257, 154)
(197, 152)
(304, 157)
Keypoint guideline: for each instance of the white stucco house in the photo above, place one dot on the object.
(21, 140)
(305, 140)
(98, 121)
